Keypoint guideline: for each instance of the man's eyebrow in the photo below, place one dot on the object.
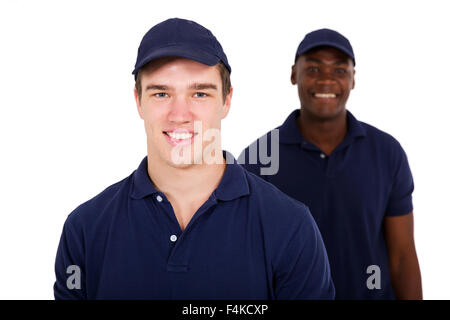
(340, 62)
(156, 87)
(313, 60)
(203, 86)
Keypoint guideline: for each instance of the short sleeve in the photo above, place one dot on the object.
(303, 272)
(70, 281)
(400, 198)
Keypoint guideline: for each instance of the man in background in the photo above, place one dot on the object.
(354, 178)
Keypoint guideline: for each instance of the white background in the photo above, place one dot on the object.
(69, 126)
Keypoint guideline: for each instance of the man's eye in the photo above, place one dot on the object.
(313, 69)
(161, 95)
(340, 71)
(200, 94)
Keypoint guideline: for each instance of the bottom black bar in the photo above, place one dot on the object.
(230, 309)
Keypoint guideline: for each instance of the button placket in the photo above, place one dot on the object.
(172, 233)
(179, 257)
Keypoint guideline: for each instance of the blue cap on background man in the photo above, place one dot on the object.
(325, 37)
(180, 38)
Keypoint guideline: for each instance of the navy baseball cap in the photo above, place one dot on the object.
(325, 37)
(180, 38)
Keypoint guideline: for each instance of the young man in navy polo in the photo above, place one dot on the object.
(189, 223)
(354, 178)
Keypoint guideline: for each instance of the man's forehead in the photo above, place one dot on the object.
(166, 61)
(180, 73)
(326, 53)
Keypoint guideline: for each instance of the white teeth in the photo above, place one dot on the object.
(180, 136)
(325, 95)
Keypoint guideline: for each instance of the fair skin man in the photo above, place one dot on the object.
(325, 77)
(177, 92)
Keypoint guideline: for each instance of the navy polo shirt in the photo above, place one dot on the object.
(247, 241)
(366, 178)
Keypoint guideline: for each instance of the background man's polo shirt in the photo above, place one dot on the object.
(247, 241)
(366, 178)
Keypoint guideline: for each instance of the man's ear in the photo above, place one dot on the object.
(294, 75)
(138, 103)
(227, 103)
(353, 86)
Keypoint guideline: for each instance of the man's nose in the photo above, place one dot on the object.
(326, 78)
(180, 110)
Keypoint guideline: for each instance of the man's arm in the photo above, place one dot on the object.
(403, 262)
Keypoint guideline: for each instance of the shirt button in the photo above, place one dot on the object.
(322, 156)
(159, 198)
(173, 238)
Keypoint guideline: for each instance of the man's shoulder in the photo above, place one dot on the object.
(250, 157)
(90, 210)
(382, 141)
(280, 217)
(376, 133)
(272, 200)
(267, 137)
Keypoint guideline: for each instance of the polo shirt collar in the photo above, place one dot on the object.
(142, 185)
(234, 182)
(355, 129)
(233, 185)
(289, 133)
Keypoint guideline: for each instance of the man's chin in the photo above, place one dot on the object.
(183, 162)
(181, 165)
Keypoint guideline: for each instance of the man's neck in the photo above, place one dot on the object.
(185, 181)
(325, 134)
(185, 188)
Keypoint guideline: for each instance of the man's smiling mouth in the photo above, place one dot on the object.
(179, 136)
(325, 95)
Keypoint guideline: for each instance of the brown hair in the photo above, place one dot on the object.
(224, 75)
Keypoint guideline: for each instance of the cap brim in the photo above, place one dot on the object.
(179, 51)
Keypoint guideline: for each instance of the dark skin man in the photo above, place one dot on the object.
(324, 77)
